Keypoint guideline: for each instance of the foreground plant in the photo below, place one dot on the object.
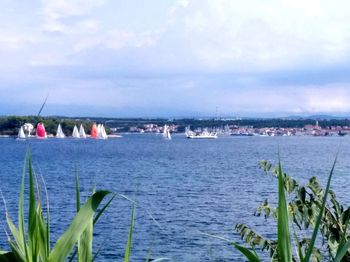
(309, 207)
(32, 243)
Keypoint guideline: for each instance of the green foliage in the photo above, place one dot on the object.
(283, 243)
(33, 244)
(128, 244)
(308, 208)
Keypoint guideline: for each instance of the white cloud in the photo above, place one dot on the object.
(55, 9)
(207, 37)
(272, 34)
(117, 39)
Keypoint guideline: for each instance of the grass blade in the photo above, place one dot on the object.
(33, 247)
(48, 247)
(318, 221)
(99, 213)
(77, 192)
(251, 256)
(128, 244)
(67, 241)
(21, 226)
(342, 251)
(17, 237)
(85, 243)
(41, 235)
(7, 256)
(284, 245)
(298, 247)
(99, 250)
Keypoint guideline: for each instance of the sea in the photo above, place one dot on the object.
(184, 191)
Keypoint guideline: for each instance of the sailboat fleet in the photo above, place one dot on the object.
(97, 132)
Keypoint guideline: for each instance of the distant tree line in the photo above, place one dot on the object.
(10, 125)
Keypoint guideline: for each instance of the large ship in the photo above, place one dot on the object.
(200, 135)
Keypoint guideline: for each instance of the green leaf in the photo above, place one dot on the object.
(251, 256)
(284, 245)
(85, 241)
(41, 235)
(32, 223)
(17, 237)
(80, 222)
(99, 249)
(342, 251)
(77, 192)
(99, 213)
(318, 221)
(7, 256)
(22, 243)
(128, 244)
(85, 244)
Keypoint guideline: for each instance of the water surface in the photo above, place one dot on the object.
(187, 186)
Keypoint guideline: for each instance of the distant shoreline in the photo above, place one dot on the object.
(10, 125)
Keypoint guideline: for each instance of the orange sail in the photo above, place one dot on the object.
(94, 131)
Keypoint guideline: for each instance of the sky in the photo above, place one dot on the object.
(175, 58)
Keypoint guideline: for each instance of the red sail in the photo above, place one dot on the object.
(40, 131)
(94, 131)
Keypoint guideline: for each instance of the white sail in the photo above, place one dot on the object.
(21, 133)
(168, 135)
(82, 132)
(103, 132)
(59, 133)
(75, 133)
(28, 129)
(99, 133)
(166, 132)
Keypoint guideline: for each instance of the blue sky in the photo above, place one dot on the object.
(175, 57)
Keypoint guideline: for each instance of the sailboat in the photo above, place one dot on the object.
(21, 134)
(28, 129)
(75, 133)
(166, 132)
(103, 133)
(82, 132)
(40, 131)
(59, 133)
(94, 132)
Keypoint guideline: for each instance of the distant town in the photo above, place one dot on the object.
(9, 125)
(236, 130)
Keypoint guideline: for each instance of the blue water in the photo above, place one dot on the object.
(182, 187)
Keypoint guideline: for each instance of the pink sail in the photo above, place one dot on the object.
(40, 131)
(93, 131)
